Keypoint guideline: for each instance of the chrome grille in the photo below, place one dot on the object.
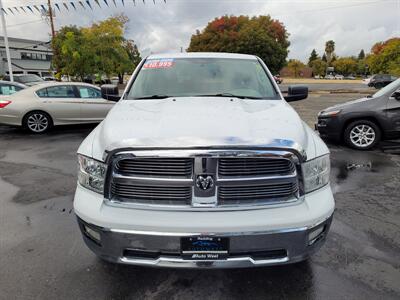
(152, 194)
(240, 180)
(156, 167)
(265, 193)
(239, 167)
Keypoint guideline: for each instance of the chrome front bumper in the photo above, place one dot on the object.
(162, 249)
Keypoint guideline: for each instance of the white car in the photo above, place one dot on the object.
(366, 80)
(42, 106)
(339, 77)
(8, 88)
(203, 164)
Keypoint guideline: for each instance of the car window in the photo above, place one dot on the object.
(6, 89)
(394, 85)
(88, 92)
(63, 91)
(28, 78)
(190, 77)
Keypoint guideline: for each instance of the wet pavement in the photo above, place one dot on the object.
(42, 255)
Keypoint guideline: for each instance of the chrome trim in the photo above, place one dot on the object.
(293, 240)
(247, 180)
(221, 234)
(176, 262)
(278, 148)
(170, 181)
(213, 155)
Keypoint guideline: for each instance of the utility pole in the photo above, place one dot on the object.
(3, 23)
(53, 32)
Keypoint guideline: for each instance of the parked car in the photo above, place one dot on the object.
(26, 79)
(381, 80)
(330, 77)
(49, 78)
(350, 77)
(8, 88)
(278, 79)
(208, 168)
(40, 107)
(339, 77)
(362, 123)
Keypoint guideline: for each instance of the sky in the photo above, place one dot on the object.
(166, 27)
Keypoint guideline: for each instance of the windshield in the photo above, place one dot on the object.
(28, 78)
(190, 77)
(387, 88)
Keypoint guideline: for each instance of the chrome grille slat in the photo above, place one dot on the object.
(153, 194)
(156, 167)
(238, 194)
(232, 167)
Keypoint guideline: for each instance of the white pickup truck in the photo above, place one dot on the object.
(203, 164)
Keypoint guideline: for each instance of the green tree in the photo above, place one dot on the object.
(60, 60)
(324, 58)
(361, 55)
(98, 49)
(295, 66)
(329, 51)
(345, 65)
(261, 36)
(386, 59)
(313, 56)
(318, 66)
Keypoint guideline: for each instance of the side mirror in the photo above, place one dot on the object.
(296, 93)
(110, 92)
(396, 95)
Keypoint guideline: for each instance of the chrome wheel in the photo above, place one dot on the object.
(38, 122)
(362, 135)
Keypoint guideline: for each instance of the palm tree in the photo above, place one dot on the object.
(329, 49)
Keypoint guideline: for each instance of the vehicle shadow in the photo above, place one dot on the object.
(16, 132)
(288, 281)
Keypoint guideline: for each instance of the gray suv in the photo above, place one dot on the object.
(362, 123)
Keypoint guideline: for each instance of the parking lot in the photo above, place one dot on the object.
(42, 255)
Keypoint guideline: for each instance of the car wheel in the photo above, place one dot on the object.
(37, 122)
(362, 134)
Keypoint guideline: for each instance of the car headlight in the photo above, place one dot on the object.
(316, 173)
(331, 113)
(91, 173)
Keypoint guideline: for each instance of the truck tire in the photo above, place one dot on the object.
(362, 134)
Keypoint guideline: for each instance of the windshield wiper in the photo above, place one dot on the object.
(228, 95)
(153, 97)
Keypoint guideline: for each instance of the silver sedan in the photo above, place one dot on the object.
(42, 106)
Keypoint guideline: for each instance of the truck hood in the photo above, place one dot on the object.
(190, 122)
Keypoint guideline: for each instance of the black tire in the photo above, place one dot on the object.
(368, 136)
(37, 122)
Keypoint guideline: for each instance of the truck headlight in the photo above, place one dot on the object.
(91, 173)
(316, 173)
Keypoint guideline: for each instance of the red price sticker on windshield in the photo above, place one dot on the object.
(159, 63)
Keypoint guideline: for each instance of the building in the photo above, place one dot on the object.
(27, 57)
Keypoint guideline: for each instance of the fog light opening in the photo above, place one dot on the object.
(315, 235)
(92, 234)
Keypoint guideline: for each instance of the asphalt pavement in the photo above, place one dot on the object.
(42, 254)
